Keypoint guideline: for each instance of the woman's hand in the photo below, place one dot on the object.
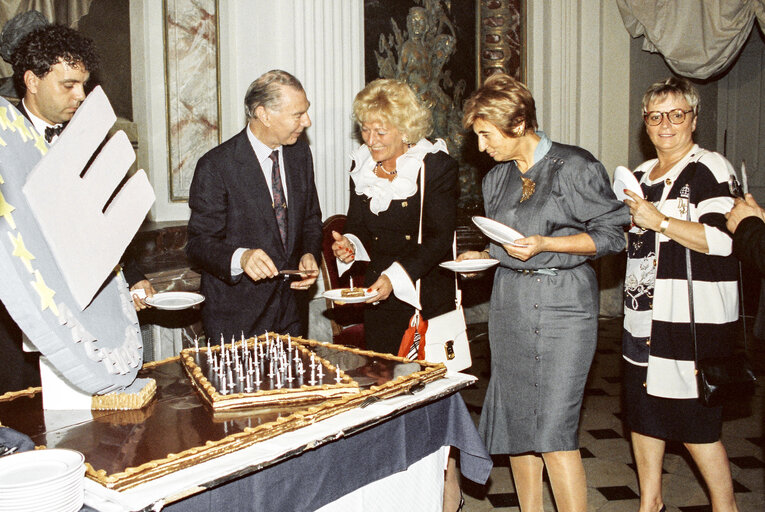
(342, 248)
(472, 255)
(527, 247)
(689, 234)
(383, 287)
(644, 213)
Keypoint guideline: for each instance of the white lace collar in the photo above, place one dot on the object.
(381, 191)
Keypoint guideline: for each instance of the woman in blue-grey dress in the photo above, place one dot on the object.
(543, 319)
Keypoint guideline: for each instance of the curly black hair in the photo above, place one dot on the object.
(46, 46)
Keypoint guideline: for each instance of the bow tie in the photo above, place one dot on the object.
(52, 131)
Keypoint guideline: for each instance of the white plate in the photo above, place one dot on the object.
(623, 178)
(336, 295)
(469, 265)
(174, 300)
(39, 500)
(497, 231)
(37, 467)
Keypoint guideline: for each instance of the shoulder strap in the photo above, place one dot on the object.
(457, 291)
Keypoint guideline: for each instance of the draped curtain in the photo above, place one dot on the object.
(697, 39)
(64, 12)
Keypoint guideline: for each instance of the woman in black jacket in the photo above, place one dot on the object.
(384, 212)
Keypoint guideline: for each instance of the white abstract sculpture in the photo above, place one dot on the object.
(58, 248)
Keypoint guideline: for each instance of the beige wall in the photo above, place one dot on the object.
(578, 69)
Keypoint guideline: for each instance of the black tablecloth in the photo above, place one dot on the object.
(317, 477)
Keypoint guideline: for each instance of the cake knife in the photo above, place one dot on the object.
(299, 272)
(744, 178)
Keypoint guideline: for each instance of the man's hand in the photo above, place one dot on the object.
(139, 300)
(743, 209)
(258, 265)
(307, 264)
(342, 248)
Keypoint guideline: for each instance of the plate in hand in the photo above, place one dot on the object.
(174, 301)
(336, 295)
(623, 178)
(497, 231)
(469, 265)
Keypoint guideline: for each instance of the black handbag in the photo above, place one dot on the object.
(724, 379)
(719, 379)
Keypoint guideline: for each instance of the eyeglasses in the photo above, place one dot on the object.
(676, 116)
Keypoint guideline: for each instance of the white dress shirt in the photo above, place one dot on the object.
(39, 124)
(263, 154)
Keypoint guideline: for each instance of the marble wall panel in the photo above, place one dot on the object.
(191, 66)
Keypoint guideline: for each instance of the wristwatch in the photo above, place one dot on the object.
(664, 225)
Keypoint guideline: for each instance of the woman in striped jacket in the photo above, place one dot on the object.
(686, 198)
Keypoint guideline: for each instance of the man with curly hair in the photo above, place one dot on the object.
(51, 66)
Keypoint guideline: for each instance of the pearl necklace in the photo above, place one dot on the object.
(386, 174)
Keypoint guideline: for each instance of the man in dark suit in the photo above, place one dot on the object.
(254, 212)
(747, 223)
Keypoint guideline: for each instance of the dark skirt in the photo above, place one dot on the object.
(384, 327)
(685, 420)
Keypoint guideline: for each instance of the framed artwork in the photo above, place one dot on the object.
(501, 35)
(192, 77)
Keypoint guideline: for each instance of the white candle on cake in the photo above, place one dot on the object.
(222, 384)
(278, 380)
(257, 375)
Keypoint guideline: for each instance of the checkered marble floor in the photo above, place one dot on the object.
(611, 474)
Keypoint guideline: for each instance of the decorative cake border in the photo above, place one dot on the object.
(134, 476)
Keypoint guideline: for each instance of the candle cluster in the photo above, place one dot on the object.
(271, 364)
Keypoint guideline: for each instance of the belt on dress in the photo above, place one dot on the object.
(543, 271)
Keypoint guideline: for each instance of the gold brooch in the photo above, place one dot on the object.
(528, 188)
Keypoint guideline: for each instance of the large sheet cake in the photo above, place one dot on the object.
(188, 422)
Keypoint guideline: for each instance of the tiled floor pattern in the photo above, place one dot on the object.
(611, 474)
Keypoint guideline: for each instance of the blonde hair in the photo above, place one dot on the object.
(504, 102)
(395, 103)
(676, 87)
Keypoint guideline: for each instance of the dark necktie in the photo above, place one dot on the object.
(52, 131)
(279, 204)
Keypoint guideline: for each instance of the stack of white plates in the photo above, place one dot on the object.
(42, 481)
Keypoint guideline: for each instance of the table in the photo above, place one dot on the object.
(311, 467)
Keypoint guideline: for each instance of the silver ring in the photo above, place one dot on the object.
(375, 302)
